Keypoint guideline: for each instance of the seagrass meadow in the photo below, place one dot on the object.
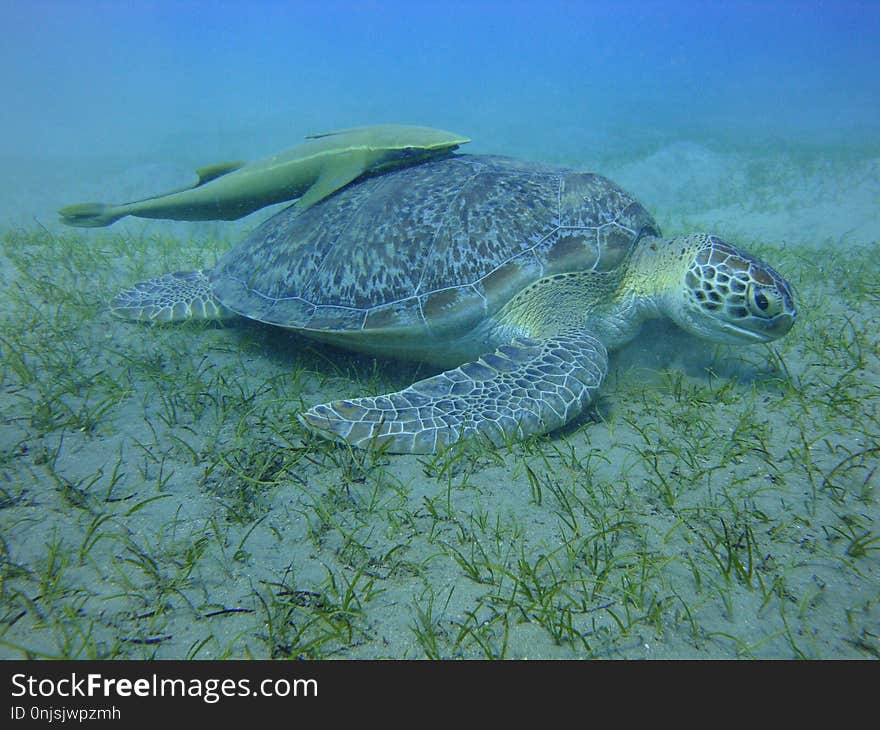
(159, 499)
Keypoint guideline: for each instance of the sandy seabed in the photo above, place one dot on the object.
(158, 498)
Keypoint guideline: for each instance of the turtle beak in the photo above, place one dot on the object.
(771, 329)
(783, 323)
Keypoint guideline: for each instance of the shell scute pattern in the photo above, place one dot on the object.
(438, 245)
(455, 307)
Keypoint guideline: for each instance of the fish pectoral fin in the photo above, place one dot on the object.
(212, 172)
(332, 177)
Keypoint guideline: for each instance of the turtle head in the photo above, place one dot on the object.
(721, 293)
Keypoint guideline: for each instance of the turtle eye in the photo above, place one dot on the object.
(763, 302)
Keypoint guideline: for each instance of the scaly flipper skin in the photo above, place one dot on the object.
(185, 295)
(524, 388)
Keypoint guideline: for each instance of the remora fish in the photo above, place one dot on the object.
(310, 172)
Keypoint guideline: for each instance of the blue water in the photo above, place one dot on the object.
(560, 80)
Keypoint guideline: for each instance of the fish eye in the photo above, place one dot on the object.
(760, 304)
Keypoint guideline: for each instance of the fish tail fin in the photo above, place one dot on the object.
(90, 215)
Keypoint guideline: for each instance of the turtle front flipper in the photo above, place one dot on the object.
(177, 297)
(524, 388)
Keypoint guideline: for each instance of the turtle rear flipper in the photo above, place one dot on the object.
(184, 295)
(524, 388)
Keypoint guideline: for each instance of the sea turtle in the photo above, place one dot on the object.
(311, 171)
(516, 276)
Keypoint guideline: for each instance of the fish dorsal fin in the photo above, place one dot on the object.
(318, 135)
(212, 172)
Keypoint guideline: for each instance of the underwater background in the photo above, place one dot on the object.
(158, 498)
(95, 90)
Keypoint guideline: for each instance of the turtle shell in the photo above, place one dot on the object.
(436, 247)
